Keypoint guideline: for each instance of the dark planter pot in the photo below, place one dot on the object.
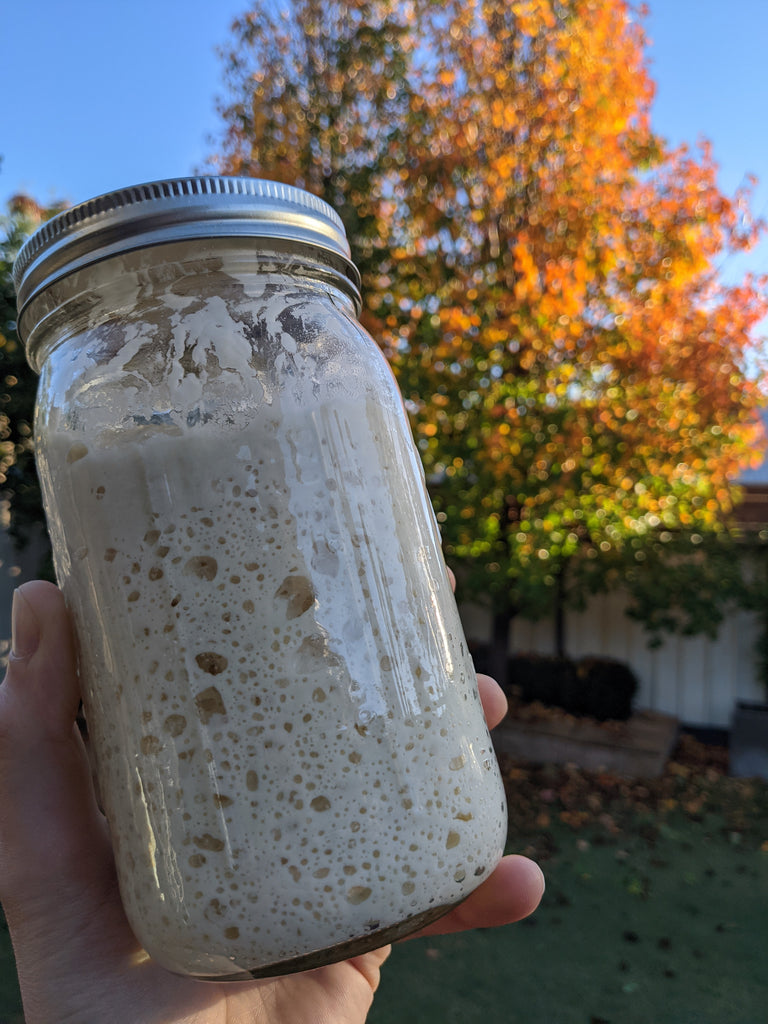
(748, 745)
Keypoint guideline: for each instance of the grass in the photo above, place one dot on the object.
(629, 932)
(10, 999)
(656, 910)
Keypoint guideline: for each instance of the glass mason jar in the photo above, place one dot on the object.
(284, 718)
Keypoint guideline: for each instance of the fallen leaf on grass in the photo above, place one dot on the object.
(695, 782)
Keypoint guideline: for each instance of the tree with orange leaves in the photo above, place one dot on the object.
(539, 267)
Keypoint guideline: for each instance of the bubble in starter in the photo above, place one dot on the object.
(211, 662)
(204, 567)
(298, 592)
(209, 703)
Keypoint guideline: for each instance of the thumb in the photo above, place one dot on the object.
(53, 839)
(41, 682)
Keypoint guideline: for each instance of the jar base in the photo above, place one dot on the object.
(341, 951)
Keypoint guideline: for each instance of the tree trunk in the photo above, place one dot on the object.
(560, 613)
(499, 653)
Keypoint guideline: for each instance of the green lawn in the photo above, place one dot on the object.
(656, 911)
(10, 1000)
(629, 932)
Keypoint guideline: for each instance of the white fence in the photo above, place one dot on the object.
(694, 678)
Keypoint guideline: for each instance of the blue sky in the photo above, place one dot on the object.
(105, 93)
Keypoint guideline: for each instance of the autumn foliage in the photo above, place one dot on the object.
(540, 267)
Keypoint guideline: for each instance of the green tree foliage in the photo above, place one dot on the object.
(318, 97)
(541, 270)
(23, 510)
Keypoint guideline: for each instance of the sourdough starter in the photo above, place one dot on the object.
(262, 605)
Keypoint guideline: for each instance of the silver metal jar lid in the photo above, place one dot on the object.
(180, 209)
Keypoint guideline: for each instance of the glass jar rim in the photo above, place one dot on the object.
(180, 209)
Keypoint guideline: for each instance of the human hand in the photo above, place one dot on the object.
(77, 959)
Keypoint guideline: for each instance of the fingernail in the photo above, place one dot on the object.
(25, 628)
(542, 881)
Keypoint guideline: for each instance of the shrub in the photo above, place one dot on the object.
(601, 688)
(542, 677)
(607, 688)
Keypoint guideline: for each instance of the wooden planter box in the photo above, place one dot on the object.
(637, 748)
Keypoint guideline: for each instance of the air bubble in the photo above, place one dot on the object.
(76, 452)
(204, 567)
(358, 894)
(209, 703)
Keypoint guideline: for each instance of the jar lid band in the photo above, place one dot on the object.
(179, 209)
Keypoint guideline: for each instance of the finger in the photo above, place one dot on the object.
(42, 651)
(52, 835)
(491, 694)
(512, 892)
(493, 700)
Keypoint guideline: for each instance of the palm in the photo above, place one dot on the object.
(341, 992)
